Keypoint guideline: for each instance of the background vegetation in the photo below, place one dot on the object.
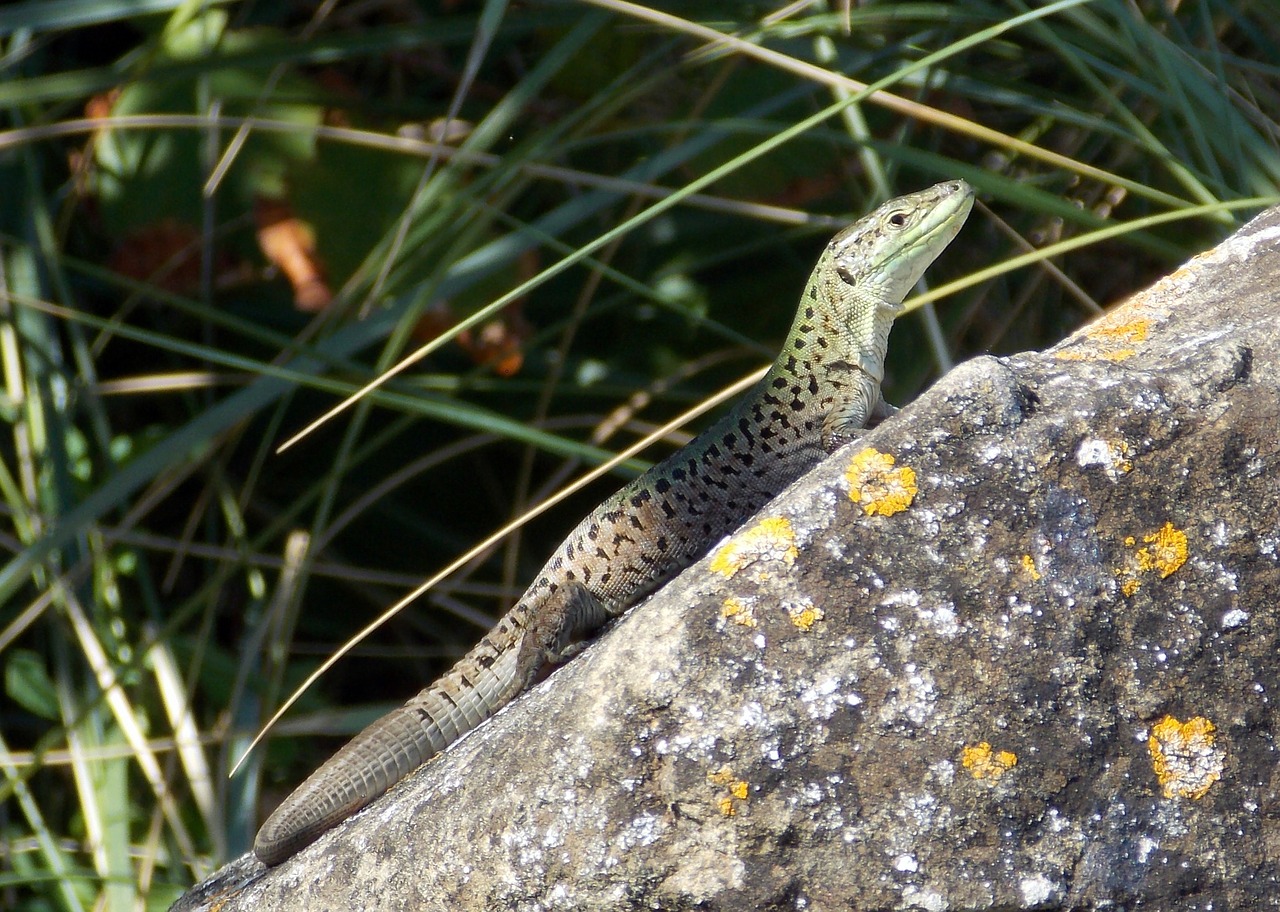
(218, 217)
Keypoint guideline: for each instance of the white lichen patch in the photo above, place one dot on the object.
(1235, 617)
(823, 699)
(1269, 546)
(559, 895)
(906, 862)
(924, 812)
(943, 772)
(553, 837)
(990, 454)
(1111, 455)
(902, 598)
(942, 618)
(771, 752)
(914, 697)
(643, 831)
(1038, 890)
(752, 715)
(928, 900)
(1057, 822)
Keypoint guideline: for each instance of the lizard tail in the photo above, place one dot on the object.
(389, 749)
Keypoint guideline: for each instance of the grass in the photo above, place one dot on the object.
(219, 219)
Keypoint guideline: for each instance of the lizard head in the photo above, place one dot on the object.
(883, 254)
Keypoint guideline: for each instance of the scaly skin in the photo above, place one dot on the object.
(820, 392)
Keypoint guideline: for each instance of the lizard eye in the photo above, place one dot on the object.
(898, 219)
(845, 275)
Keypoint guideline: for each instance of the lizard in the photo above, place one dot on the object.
(821, 391)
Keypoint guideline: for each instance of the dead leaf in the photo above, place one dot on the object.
(164, 253)
(290, 244)
(497, 343)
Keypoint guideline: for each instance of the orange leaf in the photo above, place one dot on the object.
(499, 344)
(290, 244)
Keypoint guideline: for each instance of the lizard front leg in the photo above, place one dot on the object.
(843, 426)
(881, 412)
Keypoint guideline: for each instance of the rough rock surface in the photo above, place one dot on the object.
(1030, 663)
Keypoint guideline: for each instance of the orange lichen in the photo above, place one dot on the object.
(1114, 342)
(1129, 332)
(1185, 759)
(984, 763)
(738, 611)
(877, 486)
(1167, 553)
(804, 614)
(1119, 354)
(737, 788)
(771, 539)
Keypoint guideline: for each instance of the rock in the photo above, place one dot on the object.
(1016, 648)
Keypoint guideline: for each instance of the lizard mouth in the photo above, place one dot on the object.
(885, 253)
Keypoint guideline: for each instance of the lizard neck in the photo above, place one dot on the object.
(836, 347)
